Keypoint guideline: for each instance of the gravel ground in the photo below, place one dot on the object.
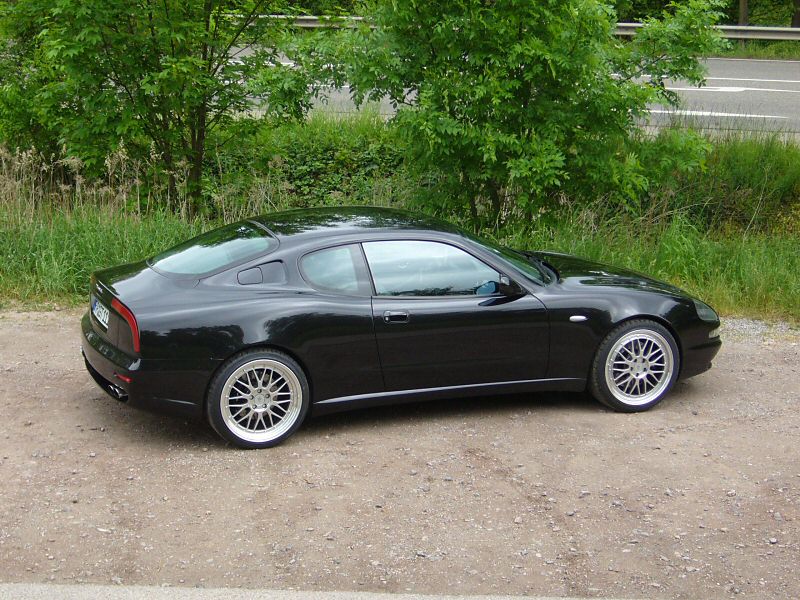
(548, 494)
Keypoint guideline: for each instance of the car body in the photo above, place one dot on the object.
(356, 307)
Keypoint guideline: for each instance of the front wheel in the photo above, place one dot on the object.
(258, 399)
(635, 367)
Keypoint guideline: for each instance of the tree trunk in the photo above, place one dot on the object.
(196, 157)
(796, 15)
(497, 201)
(743, 12)
(172, 186)
(473, 212)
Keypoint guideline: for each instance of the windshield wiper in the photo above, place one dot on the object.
(543, 265)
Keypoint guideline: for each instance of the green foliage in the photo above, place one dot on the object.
(782, 50)
(50, 258)
(328, 160)
(756, 275)
(326, 7)
(751, 183)
(510, 101)
(760, 12)
(158, 76)
(636, 10)
(726, 227)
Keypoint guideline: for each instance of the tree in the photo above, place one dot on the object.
(156, 75)
(512, 100)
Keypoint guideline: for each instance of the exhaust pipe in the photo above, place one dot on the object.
(117, 392)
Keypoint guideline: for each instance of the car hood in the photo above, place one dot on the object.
(579, 272)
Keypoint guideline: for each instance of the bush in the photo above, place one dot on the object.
(328, 160)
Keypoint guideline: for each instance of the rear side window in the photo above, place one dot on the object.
(215, 250)
(340, 270)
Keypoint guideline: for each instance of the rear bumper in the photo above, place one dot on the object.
(697, 359)
(161, 386)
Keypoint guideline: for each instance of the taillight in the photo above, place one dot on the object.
(126, 314)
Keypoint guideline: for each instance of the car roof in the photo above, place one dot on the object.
(318, 223)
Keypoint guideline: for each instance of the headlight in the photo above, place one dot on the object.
(705, 312)
(714, 333)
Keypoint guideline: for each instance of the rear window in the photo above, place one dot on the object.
(215, 250)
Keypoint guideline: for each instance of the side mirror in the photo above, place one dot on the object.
(506, 287)
(500, 292)
(488, 288)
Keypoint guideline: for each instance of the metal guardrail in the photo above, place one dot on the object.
(732, 32)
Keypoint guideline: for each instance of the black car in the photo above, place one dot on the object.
(256, 324)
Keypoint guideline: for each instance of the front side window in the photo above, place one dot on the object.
(421, 268)
(338, 270)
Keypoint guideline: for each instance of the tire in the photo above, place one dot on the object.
(258, 399)
(635, 367)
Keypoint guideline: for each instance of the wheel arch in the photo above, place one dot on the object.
(657, 319)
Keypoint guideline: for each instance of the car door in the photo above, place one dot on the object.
(445, 318)
(335, 335)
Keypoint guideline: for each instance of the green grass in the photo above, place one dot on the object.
(750, 182)
(49, 260)
(762, 49)
(755, 275)
(726, 229)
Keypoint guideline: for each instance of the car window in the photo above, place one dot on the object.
(339, 269)
(214, 250)
(421, 268)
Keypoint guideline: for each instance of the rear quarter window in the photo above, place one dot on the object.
(339, 270)
(215, 250)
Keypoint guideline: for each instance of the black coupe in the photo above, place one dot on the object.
(256, 324)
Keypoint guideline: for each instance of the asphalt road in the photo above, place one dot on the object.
(740, 94)
(743, 95)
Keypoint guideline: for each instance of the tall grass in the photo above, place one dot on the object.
(48, 259)
(756, 274)
(729, 233)
(763, 50)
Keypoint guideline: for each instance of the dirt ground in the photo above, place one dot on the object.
(548, 494)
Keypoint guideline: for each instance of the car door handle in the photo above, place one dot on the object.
(395, 316)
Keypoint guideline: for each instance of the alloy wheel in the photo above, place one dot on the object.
(639, 367)
(261, 400)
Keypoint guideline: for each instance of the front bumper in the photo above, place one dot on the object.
(697, 359)
(156, 385)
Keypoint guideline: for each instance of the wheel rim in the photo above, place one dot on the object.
(261, 400)
(639, 367)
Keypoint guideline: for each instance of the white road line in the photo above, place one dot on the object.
(40, 591)
(710, 113)
(751, 79)
(729, 90)
(757, 60)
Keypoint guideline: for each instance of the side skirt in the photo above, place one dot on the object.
(332, 405)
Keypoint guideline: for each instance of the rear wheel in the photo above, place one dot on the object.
(258, 399)
(635, 367)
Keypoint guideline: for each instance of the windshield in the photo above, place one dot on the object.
(215, 250)
(529, 265)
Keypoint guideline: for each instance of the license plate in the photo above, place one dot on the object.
(100, 312)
